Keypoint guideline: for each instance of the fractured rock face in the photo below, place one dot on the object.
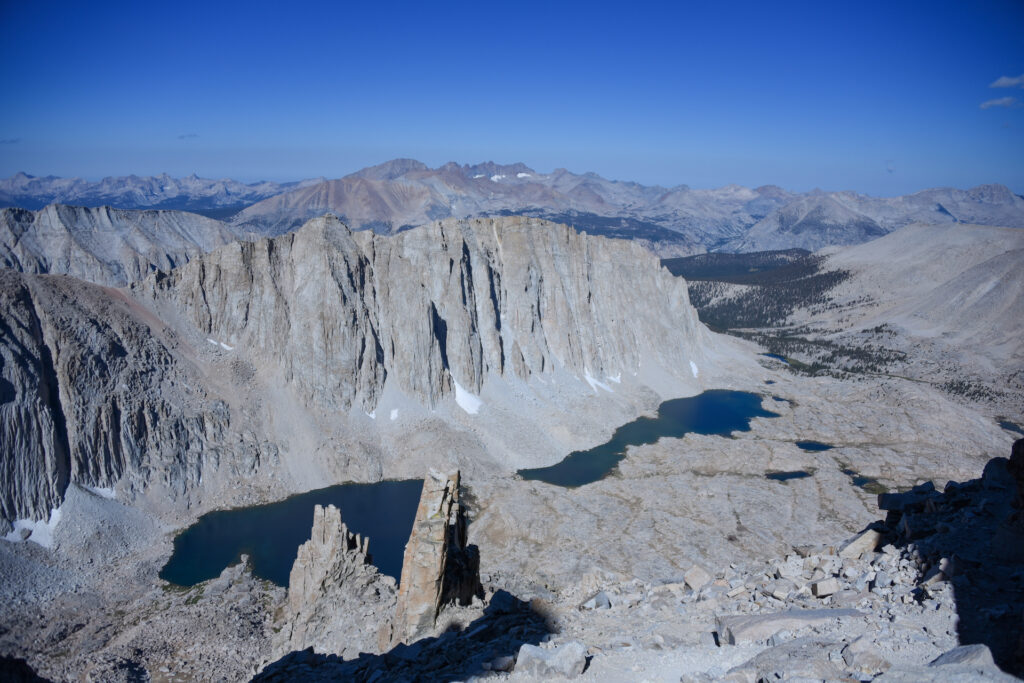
(93, 391)
(438, 567)
(343, 312)
(104, 245)
(334, 592)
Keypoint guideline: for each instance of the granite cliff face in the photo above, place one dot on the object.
(106, 387)
(450, 303)
(104, 245)
(93, 392)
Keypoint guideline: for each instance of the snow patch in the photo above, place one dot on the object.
(523, 175)
(467, 401)
(394, 414)
(594, 384)
(107, 493)
(212, 341)
(372, 414)
(617, 378)
(38, 531)
(496, 178)
(226, 347)
(693, 368)
(479, 175)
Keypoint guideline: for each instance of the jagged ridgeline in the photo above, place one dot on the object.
(102, 386)
(104, 245)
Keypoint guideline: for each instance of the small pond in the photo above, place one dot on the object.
(786, 476)
(718, 411)
(1011, 427)
(776, 357)
(814, 446)
(271, 534)
(867, 483)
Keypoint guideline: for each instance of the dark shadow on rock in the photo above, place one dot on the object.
(506, 625)
(973, 533)
(14, 670)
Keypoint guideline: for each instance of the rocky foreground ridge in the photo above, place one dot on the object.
(181, 381)
(931, 593)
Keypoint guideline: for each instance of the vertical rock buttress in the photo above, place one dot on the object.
(439, 567)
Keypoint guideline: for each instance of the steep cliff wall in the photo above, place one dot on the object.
(92, 394)
(344, 312)
(34, 467)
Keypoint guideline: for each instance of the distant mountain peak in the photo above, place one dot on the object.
(490, 169)
(390, 170)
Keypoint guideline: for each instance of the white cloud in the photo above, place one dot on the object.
(1008, 82)
(1001, 102)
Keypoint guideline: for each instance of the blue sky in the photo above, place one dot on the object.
(883, 98)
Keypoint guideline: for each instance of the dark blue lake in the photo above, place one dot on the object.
(786, 476)
(718, 411)
(271, 534)
(814, 446)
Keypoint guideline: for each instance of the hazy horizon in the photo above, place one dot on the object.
(886, 100)
(692, 186)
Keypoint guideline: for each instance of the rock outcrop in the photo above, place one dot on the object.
(104, 245)
(428, 309)
(336, 598)
(439, 567)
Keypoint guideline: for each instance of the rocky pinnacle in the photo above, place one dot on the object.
(438, 566)
(332, 579)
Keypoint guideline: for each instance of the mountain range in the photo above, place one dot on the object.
(218, 198)
(404, 193)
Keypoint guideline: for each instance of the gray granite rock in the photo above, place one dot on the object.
(565, 661)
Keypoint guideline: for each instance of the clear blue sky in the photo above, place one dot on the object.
(883, 98)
